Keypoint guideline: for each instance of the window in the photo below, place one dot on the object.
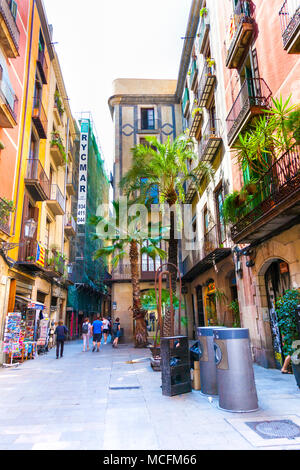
(14, 9)
(221, 224)
(148, 118)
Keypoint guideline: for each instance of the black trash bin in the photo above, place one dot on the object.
(175, 366)
(235, 374)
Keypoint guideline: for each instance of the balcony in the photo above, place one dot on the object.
(240, 35)
(56, 202)
(148, 127)
(57, 150)
(203, 32)
(5, 217)
(186, 102)
(8, 103)
(31, 255)
(54, 265)
(36, 181)
(211, 140)
(43, 67)
(197, 117)
(39, 118)
(290, 26)
(206, 85)
(208, 149)
(71, 184)
(194, 74)
(9, 32)
(70, 226)
(253, 99)
(210, 251)
(276, 203)
(122, 273)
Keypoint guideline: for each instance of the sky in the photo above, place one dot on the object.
(98, 41)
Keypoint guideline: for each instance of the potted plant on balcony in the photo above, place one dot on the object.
(203, 12)
(57, 142)
(287, 322)
(211, 63)
(197, 112)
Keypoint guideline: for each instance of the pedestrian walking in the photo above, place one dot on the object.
(105, 329)
(116, 332)
(86, 334)
(60, 332)
(97, 333)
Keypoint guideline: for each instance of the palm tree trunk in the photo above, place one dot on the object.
(172, 259)
(141, 333)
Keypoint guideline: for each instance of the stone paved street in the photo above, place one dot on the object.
(69, 404)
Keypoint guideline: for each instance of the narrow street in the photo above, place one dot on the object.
(96, 401)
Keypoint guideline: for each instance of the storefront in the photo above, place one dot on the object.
(26, 330)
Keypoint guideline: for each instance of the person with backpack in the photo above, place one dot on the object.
(60, 332)
(116, 330)
(86, 334)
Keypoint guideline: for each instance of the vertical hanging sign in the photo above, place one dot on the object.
(83, 172)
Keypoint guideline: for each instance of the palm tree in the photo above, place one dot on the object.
(129, 241)
(165, 166)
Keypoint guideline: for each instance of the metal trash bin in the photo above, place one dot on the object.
(235, 374)
(175, 366)
(208, 370)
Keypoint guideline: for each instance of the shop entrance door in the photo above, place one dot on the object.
(277, 280)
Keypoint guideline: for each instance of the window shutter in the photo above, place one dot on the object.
(14, 9)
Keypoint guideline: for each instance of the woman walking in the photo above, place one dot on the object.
(86, 334)
(105, 329)
(116, 332)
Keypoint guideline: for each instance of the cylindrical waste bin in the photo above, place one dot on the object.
(208, 370)
(235, 375)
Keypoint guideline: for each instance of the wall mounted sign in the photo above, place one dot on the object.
(83, 172)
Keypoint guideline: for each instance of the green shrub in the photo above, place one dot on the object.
(287, 322)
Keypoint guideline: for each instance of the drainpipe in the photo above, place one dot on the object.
(25, 115)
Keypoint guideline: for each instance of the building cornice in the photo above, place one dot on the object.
(134, 100)
(190, 36)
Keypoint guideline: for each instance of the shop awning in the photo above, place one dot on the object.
(32, 304)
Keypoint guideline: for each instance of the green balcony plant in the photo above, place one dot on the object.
(6, 208)
(196, 112)
(56, 141)
(203, 12)
(234, 307)
(58, 102)
(2, 146)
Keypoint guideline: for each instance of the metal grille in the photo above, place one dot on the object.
(283, 429)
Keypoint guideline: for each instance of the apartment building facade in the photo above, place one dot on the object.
(247, 53)
(88, 294)
(36, 252)
(139, 108)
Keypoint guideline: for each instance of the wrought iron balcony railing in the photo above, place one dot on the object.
(70, 224)
(211, 140)
(30, 255)
(290, 25)
(39, 118)
(43, 66)
(208, 251)
(9, 98)
(10, 33)
(253, 98)
(206, 84)
(57, 201)
(36, 180)
(240, 34)
(278, 194)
